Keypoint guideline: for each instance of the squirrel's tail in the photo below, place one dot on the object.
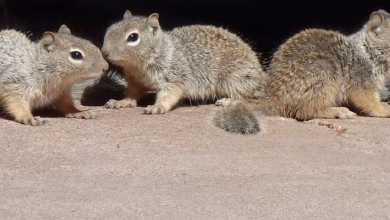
(241, 118)
(237, 119)
(94, 92)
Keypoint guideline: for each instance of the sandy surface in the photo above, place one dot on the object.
(126, 165)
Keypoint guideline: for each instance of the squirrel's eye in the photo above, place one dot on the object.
(132, 37)
(76, 55)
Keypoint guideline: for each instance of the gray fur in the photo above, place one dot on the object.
(237, 119)
(193, 62)
(39, 75)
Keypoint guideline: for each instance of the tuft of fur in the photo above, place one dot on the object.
(237, 119)
(195, 62)
(40, 75)
(97, 91)
(240, 117)
(325, 74)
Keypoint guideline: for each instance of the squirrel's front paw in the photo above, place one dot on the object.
(385, 105)
(117, 104)
(88, 114)
(155, 109)
(225, 102)
(34, 121)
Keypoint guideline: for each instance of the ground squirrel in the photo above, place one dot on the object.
(37, 75)
(193, 62)
(325, 74)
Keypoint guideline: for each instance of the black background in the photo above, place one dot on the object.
(263, 24)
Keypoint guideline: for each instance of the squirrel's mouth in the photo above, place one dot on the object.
(110, 59)
(113, 59)
(115, 62)
(92, 74)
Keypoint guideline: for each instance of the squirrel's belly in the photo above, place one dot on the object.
(40, 100)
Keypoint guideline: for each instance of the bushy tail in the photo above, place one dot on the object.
(98, 91)
(237, 119)
(241, 119)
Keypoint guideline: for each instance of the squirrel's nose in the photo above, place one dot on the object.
(105, 66)
(105, 53)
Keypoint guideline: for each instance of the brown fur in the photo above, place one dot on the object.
(320, 74)
(325, 74)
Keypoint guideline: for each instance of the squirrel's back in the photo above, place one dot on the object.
(13, 38)
(224, 56)
(314, 39)
(16, 50)
(209, 47)
(209, 38)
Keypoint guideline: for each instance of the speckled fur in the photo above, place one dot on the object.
(38, 75)
(193, 62)
(325, 74)
(237, 119)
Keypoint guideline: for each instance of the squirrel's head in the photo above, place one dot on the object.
(131, 40)
(76, 57)
(378, 32)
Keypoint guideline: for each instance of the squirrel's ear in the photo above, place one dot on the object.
(384, 13)
(377, 20)
(127, 14)
(153, 21)
(64, 30)
(48, 41)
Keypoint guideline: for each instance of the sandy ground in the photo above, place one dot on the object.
(126, 165)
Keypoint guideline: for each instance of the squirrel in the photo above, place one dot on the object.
(38, 75)
(197, 62)
(325, 74)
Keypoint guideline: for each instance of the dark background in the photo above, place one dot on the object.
(263, 24)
